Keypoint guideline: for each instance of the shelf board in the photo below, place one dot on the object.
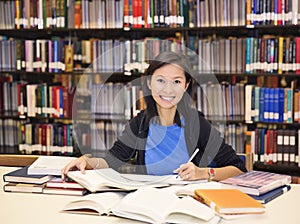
(291, 169)
(17, 160)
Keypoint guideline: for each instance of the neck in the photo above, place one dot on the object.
(166, 116)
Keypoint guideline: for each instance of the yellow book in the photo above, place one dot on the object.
(229, 201)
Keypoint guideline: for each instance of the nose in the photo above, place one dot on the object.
(168, 87)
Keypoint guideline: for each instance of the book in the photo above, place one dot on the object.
(257, 182)
(68, 187)
(23, 187)
(108, 179)
(229, 201)
(21, 176)
(146, 204)
(94, 204)
(65, 191)
(50, 165)
(269, 196)
(59, 183)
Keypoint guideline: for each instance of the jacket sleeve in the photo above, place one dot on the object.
(125, 146)
(216, 152)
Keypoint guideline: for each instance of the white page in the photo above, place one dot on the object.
(154, 205)
(168, 179)
(50, 165)
(101, 202)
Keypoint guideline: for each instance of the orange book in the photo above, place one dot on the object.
(77, 14)
(229, 201)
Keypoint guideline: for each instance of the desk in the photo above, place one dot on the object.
(17, 208)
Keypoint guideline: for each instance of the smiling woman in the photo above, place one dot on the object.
(163, 137)
(167, 86)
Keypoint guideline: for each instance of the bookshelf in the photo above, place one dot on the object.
(218, 37)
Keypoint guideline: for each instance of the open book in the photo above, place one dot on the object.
(146, 204)
(109, 179)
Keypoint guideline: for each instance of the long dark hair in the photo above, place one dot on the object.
(185, 104)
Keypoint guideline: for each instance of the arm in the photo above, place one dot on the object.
(190, 171)
(215, 153)
(83, 163)
(120, 153)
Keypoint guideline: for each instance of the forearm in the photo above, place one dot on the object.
(225, 172)
(95, 163)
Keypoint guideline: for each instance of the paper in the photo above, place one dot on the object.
(50, 165)
(168, 179)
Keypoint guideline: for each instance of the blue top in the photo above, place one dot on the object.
(166, 149)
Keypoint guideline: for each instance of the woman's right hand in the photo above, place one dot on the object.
(79, 164)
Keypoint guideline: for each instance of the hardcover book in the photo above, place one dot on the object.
(21, 176)
(229, 201)
(257, 182)
(269, 196)
(23, 187)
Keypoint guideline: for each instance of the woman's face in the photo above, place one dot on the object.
(167, 86)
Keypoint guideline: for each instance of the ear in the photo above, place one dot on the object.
(187, 85)
(148, 83)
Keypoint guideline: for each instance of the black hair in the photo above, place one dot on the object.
(185, 104)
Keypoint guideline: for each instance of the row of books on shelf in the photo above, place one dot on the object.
(220, 101)
(99, 136)
(164, 13)
(70, 54)
(273, 54)
(264, 12)
(112, 100)
(43, 14)
(120, 14)
(9, 135)
(148, 14)
(220, 54)
(250, 190)
(117, 99)
(45, 138)
(274, 146)
(31, 100)
(234, 135)
(268, 54)
(265, 104)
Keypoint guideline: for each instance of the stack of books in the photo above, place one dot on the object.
(20, 181)
(260, 185)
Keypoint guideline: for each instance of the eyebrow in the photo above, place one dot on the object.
(176, 77)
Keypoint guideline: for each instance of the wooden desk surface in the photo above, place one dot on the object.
(17, 208)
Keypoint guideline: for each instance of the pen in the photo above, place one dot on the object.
(191, 158)
(194, 154)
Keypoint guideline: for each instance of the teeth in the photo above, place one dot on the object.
(167, 98)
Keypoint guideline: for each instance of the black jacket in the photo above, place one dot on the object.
(199, 133)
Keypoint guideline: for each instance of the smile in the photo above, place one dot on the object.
(167, 98)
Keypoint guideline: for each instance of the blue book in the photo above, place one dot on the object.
(269, 196)
(261, 102)
(281, 104)
(21, 176)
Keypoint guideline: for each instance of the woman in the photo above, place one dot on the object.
(163, 137)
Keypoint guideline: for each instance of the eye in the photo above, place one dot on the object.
(160, 80)
(177, 82)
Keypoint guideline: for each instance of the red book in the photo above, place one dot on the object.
(66, 112)
(77, 14)
(126, 14)
(279, 12)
